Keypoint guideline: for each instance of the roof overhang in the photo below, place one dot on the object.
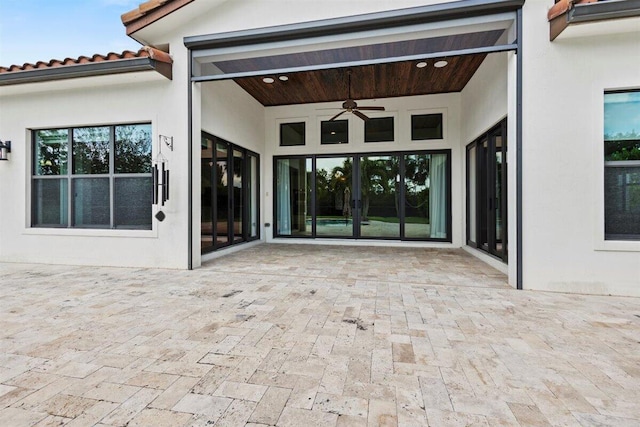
(567, 12)
(358, 23)
(312, 54)
(86, 70)
(149, 12)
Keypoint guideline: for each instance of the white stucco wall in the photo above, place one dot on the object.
(563, 219)
(232, 114)
(108, 100)
(484, 98)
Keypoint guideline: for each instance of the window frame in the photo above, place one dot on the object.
(401, 214)
(442, 125)
(614, 164)
(70, 178)
(304, 133)
(344, 121)
(393, 130)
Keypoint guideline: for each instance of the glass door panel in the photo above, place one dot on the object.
(486, 198)
(426, 201)
(472, 188)
(497, 205)
(293, 197)
(377, 202)
(334, 196)
(222, 194)
(483, 196)
(206, 195)
(237, 207)
(252, 196)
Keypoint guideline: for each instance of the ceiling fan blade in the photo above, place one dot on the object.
(337, 115)
(371, 108)
(359, 114)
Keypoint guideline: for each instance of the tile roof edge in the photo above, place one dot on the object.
(150, 12)
(564, 6)
(143, 52)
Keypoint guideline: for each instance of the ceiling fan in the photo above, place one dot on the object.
(352, 107)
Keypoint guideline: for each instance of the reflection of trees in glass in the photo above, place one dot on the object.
(377, 178)
(417, 190)
(51, 152)
(91, 150)
(133, 149)
(339, 181)
(622, 146)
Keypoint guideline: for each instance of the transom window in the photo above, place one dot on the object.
(379, 129)
(426, 126)
(334, 132)
(92, 177)
(292, 134)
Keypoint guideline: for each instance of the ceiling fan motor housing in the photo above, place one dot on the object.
(349, 104)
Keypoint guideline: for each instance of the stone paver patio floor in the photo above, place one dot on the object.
(303, 335)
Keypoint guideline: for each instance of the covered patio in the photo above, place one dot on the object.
(303, 335)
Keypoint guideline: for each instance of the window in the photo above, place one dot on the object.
(379, 130)
(622, 165)
(334, 132)
(92, 177)
(292, 134)
(426, 126)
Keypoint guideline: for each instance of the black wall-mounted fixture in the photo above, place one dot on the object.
(5, 149)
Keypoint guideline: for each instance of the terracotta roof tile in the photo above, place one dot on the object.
(563, 6)
(149, 12)
(144, 52)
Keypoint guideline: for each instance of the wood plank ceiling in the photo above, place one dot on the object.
(367, 82)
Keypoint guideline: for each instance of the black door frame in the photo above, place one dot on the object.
(246, 197)
(355, 194)
(485, 196)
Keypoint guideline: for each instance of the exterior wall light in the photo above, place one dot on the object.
(5, 149)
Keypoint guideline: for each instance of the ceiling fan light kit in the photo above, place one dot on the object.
(351, 106)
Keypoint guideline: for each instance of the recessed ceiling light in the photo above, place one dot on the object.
(268, 80)
(283, 78)
(421, 64)
(440, 64)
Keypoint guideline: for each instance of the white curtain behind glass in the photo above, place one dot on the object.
(284, 199)
(438, 196)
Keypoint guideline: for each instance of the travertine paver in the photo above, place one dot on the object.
(302, 335)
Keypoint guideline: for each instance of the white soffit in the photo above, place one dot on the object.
(83, 83)
(156, 33)
(601, 28)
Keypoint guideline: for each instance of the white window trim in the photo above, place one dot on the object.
(600, 243)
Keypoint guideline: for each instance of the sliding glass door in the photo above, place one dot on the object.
(229, 194)
(334, 197)
(398, 196)
(378, 201)
(294, 197)
(486, 192)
